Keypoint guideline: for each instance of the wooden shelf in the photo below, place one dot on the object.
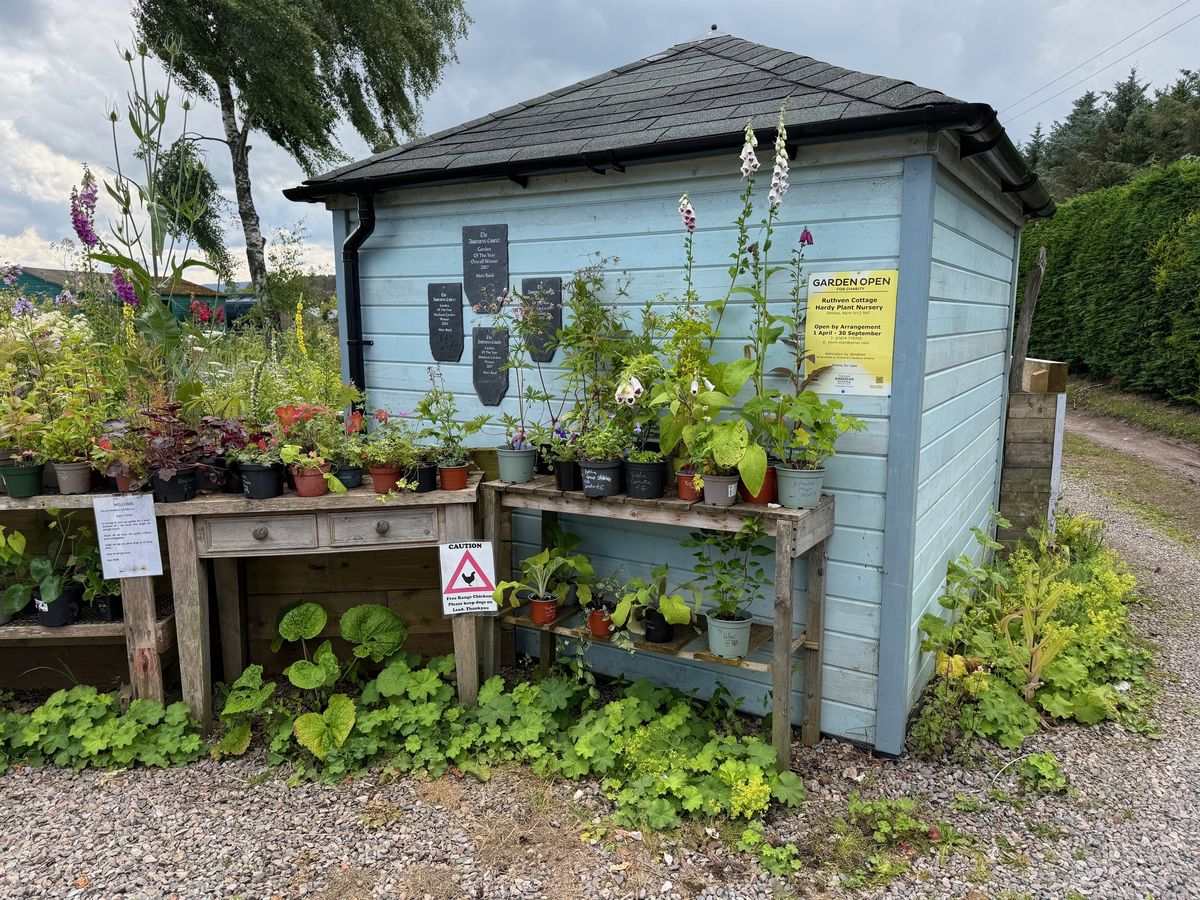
(690, 640)
(24, 631)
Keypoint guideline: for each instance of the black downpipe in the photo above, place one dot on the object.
(354, 332)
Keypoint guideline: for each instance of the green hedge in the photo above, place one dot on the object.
(1121, 299)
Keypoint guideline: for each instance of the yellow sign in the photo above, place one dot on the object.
(850, 328)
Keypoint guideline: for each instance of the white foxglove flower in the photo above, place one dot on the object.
(636, 386)
(695, 387)
(708, 385)
(749, 160)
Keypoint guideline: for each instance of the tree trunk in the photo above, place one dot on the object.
(239, 152)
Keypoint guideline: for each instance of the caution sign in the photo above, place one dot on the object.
(468, 577)
(850, 328)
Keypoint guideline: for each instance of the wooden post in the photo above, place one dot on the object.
(460, 525)
(547, 640)
(814, 632)
(141, 638)
(1033, 284)
(491, 532)
(189, 584)
(231, 615)
(781, 657)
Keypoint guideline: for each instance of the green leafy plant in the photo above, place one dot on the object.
(543, 578)
(605, 442)
(293, 455)
(439, 409)
(1041, 772)
(728, 568)
(640, 595)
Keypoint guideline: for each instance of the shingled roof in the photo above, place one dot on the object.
(696, 96)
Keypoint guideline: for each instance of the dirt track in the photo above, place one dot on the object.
(1177, 457)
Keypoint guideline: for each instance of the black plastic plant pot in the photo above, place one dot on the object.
(179, 487)
(350, 476)
(210, 475)
(567, 476)
(645, 481)
(601, 479)
(658, 629)
(63, 611)
(426, 478)
(108, 607)
(542, 465)
(233, 478)
(261, 482)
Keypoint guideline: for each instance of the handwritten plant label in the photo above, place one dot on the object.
(468, 577)
(128, 536)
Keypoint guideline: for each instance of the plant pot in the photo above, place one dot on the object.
(261, 482)
(600, 479)
(658, 629)
(63, 611)
(233, 478)
(728, 638)
(686, 487)
(22, 481)
(645, 481)
(516, 466)
(600, 624)
(210, 475)
(107, 607)
(179, 487)
(124, 483)
(543, 466)
(49, 477)
(73, 477)
(454, 478)
(311, 482)
(543, 611)
(799, 488)
(720, 490)
(350, 476)
(384, 478)
(567, 476)
(766, 494)
(6, 458)
(426, 478)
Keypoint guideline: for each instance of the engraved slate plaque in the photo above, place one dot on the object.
(489, 353)
(446, 321)
(485, 264)
(545, 294)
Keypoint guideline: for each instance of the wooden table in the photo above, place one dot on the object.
(797, 532)
(226, 528)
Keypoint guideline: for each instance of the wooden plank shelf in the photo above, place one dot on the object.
(797, 532)
(23, 631)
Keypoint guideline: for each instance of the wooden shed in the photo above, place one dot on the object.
(886, 174)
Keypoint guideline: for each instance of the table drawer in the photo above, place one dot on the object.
(382, 527)
(259, 533)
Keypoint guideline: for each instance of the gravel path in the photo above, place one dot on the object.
(1129, 828)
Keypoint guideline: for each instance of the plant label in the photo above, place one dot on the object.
(468, 577)
(128, 536)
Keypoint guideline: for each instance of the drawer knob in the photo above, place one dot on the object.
(260, 533)
(382, 526)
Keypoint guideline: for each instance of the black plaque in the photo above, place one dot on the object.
(545, 295)
(489, 354)
(446, 321)
(485, 265)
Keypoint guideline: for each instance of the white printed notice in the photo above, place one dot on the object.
(468, 577)
(128, 535)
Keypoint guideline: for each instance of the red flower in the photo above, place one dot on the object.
(806, 238)
(287, 416)
(104, 444)
(381, 416)
(262, 443)
(354, 422)
(220, 314)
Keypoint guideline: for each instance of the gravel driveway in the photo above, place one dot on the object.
(1129, 828)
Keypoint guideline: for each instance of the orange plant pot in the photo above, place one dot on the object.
(124, 483)
(454, 478)
(310, 482)
(384, 478)
(600, 624)
(686, 487)
(543, 612)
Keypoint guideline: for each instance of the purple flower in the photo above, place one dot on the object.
(806, 238)
(64, 298)
(83, 210)
(124, 289)
(10, 274)
(687, 214)
(637, 429)
(22, 306)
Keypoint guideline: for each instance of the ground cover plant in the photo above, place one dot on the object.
(1042, 634)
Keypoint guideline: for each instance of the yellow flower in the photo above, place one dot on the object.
(951, 666)
(300, 328)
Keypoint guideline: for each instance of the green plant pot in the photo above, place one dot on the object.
(22, 481)
(720, 490)
(516, 466)
(728, 639)
(799, 488)
(73, 477)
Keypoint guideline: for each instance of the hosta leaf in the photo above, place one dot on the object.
(302, 622)
(375, 630)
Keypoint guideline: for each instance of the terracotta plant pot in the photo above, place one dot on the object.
(686, 487)
(384, 478)
(766, 493)
(600, 624)
(73, 477)
(542, 611)
(310, 482)
(124, 483)
(454, 478)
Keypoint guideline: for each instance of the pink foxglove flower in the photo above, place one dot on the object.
(749, 160)
(124, 289)
(687, 214)
(806, 238)
(83, 209)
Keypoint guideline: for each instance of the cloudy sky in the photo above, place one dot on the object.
(61, 72)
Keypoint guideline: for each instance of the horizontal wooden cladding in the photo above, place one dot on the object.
(1033, 406)
(1022, 456)
(1026, 478)
(1030, 430)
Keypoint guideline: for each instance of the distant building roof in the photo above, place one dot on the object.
(60, 277)
(697, 96)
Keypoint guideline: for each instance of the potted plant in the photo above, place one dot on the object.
(311, 472)
(171, 451)
(579, 574)
(67, 441)
(425, 474)
(602, 605)
(517, 456)
(560, 451)
(20, 428)
(218, 439)
(14, 595)
(102, 596)
(390, 450)
(541, 586)
(42, 579)
(804, 436)
(601, 452)
(729, 572)
(645, 466)
(120, 453)
(649, 607)
(260, 466)
(349, 451)
(439, 408)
